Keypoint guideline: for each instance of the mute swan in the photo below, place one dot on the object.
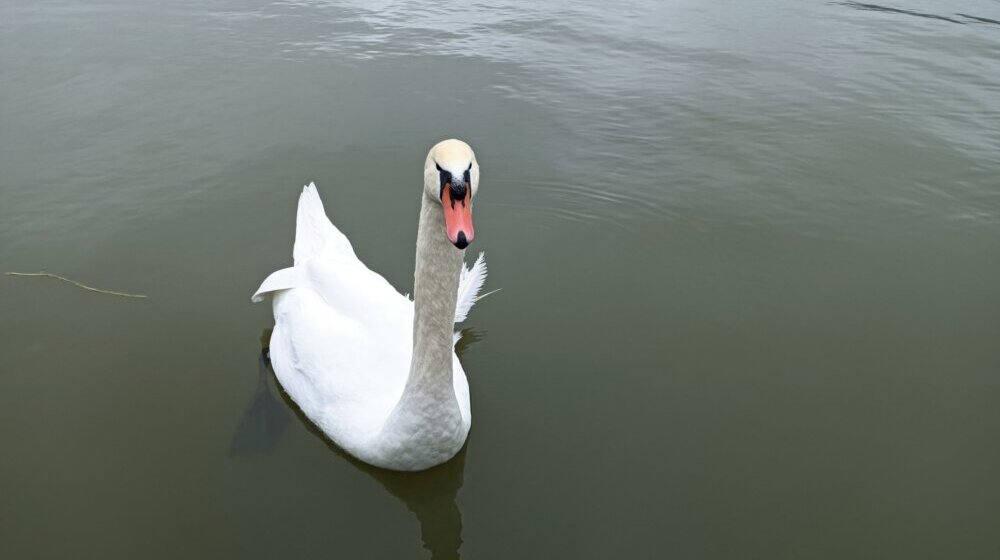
(375, 371)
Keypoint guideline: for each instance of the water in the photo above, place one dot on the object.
(749, 260)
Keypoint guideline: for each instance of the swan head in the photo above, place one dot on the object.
(451, 177)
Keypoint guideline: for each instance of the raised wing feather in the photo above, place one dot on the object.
(315, 235)
(469, 285)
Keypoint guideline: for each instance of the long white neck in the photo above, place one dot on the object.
(427, 415)
(435, 290)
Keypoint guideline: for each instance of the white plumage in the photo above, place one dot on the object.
(343, 342)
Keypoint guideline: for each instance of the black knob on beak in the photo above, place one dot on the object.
(459, 190)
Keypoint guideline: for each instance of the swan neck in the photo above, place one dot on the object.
(427, 416)
(435, 290)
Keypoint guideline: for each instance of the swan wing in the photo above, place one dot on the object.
(342, 339)
(315, 234)
(325, 262)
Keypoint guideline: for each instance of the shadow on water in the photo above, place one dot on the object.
(470, 337)
(886, 9)
(430, 495)
(265, 420)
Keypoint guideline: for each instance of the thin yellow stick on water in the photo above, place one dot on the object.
(488, 294)
(75, 283)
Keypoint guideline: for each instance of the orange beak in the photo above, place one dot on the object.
(458, 217)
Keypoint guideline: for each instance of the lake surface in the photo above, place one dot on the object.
(749, 259)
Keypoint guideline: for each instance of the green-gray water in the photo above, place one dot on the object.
(749, 256)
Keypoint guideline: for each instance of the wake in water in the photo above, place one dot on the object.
(886, 9)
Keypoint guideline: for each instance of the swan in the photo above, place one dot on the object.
(373, 369)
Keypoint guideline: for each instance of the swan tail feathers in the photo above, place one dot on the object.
(315, 235)
(284, 279)
(469, 285)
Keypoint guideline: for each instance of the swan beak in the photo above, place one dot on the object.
(458, 216)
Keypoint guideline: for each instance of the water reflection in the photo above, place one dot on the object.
(265, 419)
(430, 495)
(469, 337)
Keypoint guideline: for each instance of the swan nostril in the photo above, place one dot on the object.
(461, 242)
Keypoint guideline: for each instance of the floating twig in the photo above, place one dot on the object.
(75, 283)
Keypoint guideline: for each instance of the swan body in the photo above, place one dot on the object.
(373, 369)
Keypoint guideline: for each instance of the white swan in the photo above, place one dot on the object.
(374, 370)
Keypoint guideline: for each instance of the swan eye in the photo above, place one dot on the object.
(438, 166)
(468, 175)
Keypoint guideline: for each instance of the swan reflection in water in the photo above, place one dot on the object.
(430, 494)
